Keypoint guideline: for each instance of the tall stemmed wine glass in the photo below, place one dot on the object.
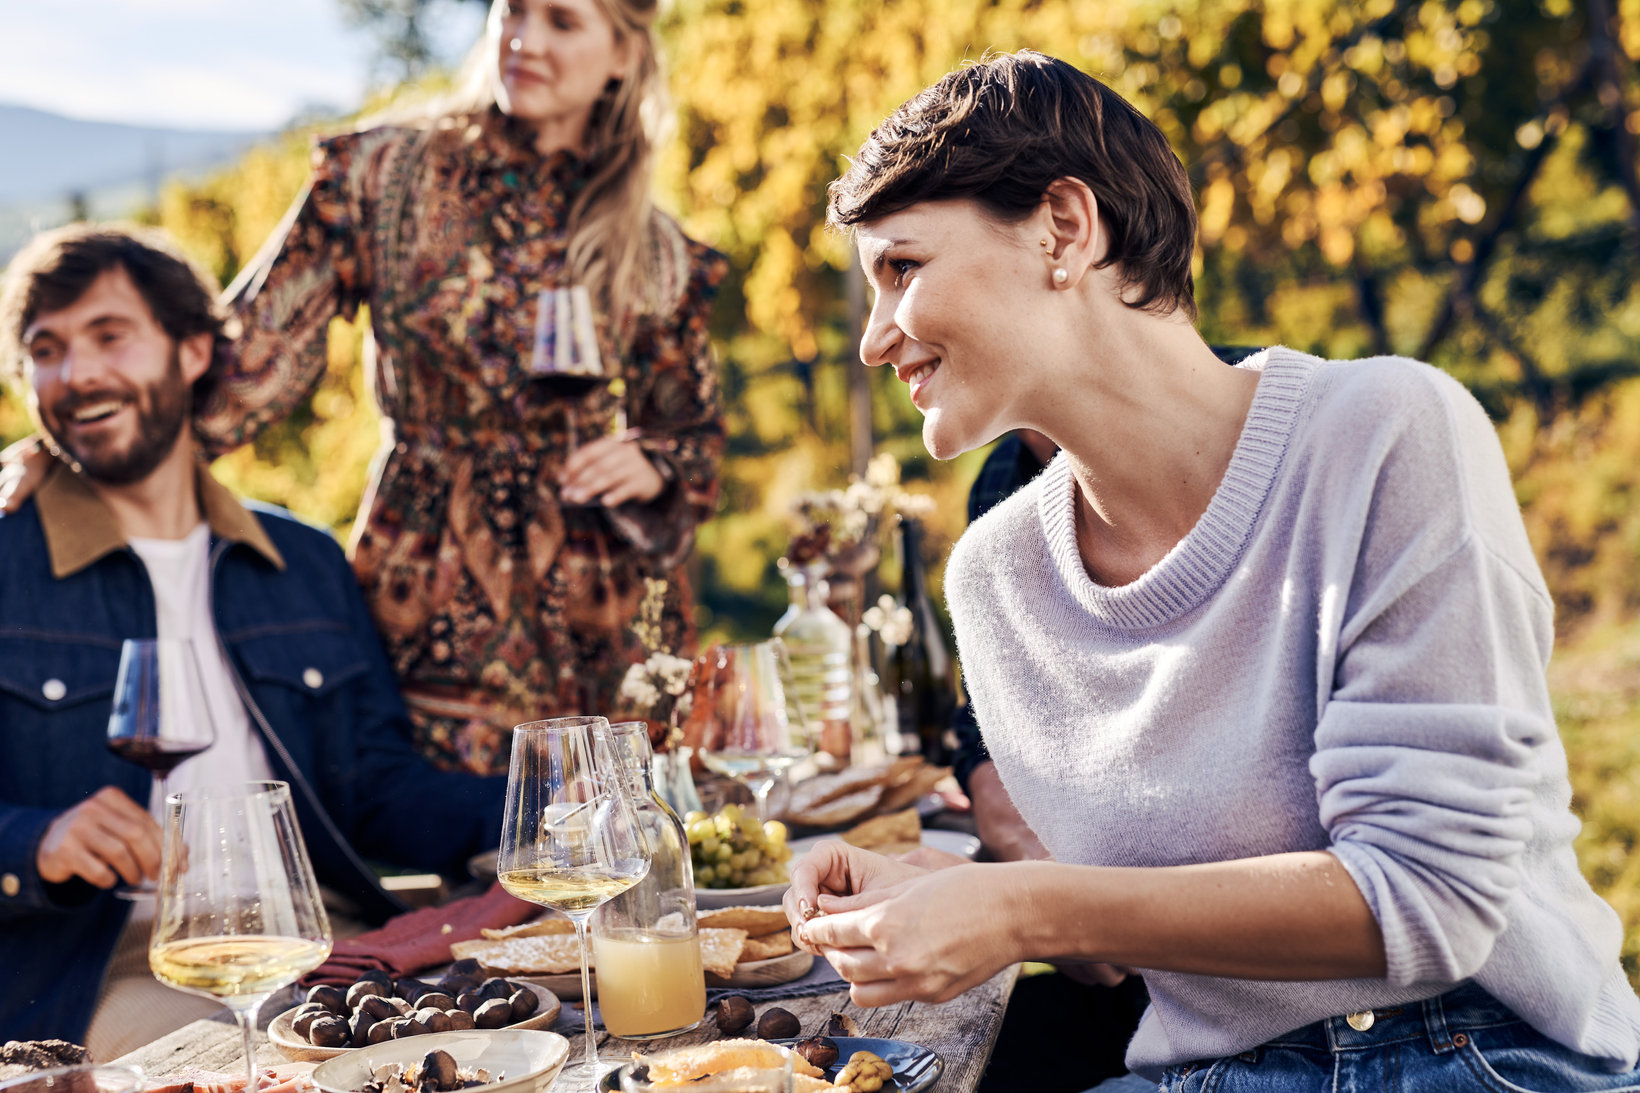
(755, 728)
(566, 354)
(161, 716)
(239, 912)
(570, 838)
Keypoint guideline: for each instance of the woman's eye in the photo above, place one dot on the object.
(901, 267)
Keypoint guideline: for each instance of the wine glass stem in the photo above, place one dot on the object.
(580, 922)
(244, 1018)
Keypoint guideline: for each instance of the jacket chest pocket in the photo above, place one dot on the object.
(315, 663)
(50, 674)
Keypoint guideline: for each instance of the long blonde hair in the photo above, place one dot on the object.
(617, 239)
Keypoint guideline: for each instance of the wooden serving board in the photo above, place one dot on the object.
(293, 1047)
(766, 973)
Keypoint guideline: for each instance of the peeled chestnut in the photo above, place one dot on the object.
(733, 1013)
(777, 1024)
(331, 998)
(819, 1050)
(494, 1013)
(841, 1024)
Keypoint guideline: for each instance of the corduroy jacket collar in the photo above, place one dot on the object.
(80, 527)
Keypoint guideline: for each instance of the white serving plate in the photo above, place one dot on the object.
(527, 1060)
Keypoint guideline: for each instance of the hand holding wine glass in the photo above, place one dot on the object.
(570, 838)
(161, 716)
(239, 912)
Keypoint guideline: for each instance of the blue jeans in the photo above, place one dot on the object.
(1463, 1041)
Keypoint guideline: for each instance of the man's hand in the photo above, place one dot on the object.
(104, 839)
(611, 470)
(22, 468)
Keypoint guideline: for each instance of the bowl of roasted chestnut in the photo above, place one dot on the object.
(377, 1009)
(496, 1061)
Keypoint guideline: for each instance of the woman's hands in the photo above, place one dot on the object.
(896, 932)
(23, 467)
(611, 470)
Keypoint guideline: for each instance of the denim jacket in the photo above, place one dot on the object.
(309, 667)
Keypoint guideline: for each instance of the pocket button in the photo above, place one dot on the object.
(54, 690)
(313, 678)
(1361, 1021)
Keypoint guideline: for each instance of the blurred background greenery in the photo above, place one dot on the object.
(1454, 181)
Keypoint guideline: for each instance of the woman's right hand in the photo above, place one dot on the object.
(835, 876)
(23, 467)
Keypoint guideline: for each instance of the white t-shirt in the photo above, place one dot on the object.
(180, 571)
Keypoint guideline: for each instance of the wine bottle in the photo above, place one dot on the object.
(924, 685)
(821, 648)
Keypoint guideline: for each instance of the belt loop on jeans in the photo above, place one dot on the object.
(1435, 1022)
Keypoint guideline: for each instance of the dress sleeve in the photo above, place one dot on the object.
(1438, 728)
(279, 307)
(679, 414)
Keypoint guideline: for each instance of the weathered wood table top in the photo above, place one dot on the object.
(962, 1031)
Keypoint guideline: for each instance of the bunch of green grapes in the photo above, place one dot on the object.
(730, 849)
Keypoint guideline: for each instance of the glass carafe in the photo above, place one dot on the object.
(645, 943)
(820, 646)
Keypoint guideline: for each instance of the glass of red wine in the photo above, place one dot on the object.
(161, 716)
(566, 358)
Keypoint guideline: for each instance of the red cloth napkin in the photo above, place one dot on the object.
(420, 939)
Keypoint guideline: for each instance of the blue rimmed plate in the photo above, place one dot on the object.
(916, 1068)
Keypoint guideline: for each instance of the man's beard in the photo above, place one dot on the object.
(162, 408)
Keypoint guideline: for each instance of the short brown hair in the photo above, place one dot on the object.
(1002, 130)
(56, 267)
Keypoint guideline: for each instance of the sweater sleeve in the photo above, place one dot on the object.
(309, 271)
(1428, 748)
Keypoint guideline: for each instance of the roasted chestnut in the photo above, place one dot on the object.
(302, 1018)
(329, 1031)
(380, 1032)
(496, 988)
(434, 1020)
(411, 989)
(376, 975)
(524, 1002)
(363, 989)
(733, 1014)
(437, 999)
(377, 1007)
(331, 998)
(841, 1024)
(494, 1013)
(471, 1000)
(819, 1050)
(469, 967)
(460, 1020)
(360, 1029)
(439, 1067)
(777, 1024)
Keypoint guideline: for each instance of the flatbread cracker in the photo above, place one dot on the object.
(552, 954)
(813, 792)
(767, 948)
(720, 950)
(914, 787)
(756, 921)
(546, 926)
(896, 827)
(841, 810)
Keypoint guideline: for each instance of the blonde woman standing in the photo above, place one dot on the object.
(509, 524)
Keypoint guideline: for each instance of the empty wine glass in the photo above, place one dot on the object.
(570, 838)
(161, 716)
(753, 727)
(239, 912)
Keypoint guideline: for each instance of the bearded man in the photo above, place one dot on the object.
(129, 536)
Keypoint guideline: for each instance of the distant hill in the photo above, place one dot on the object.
(47, 156)
(48, 162)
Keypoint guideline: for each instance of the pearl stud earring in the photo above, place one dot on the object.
(516, 44)
(1060, 276)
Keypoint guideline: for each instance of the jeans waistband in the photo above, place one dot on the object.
(1442, 1020)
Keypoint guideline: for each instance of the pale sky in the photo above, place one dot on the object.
(211, 64)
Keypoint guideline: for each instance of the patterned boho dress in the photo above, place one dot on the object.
(497, 605)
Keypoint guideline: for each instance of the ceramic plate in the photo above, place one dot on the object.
(518, 1062)
(915, 1067)
(292, 1046)
(766, 973)
(952, 842)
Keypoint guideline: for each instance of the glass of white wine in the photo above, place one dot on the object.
(570, 838)
(239, 912)
(755, 728)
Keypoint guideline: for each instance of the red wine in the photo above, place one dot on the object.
(922, 674)
(158, 756)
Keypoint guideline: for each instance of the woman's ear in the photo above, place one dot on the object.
(1074, 233)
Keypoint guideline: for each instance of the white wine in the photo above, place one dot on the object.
(571, 891)
(235, 967)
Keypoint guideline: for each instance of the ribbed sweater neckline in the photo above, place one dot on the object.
(1201, 562)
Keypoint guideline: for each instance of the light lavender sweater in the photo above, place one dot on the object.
(1346, 653)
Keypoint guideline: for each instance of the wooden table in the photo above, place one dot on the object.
(962, 1031)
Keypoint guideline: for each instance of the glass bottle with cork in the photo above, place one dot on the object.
(820, 646)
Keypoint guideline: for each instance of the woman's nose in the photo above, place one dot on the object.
(881, 336)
